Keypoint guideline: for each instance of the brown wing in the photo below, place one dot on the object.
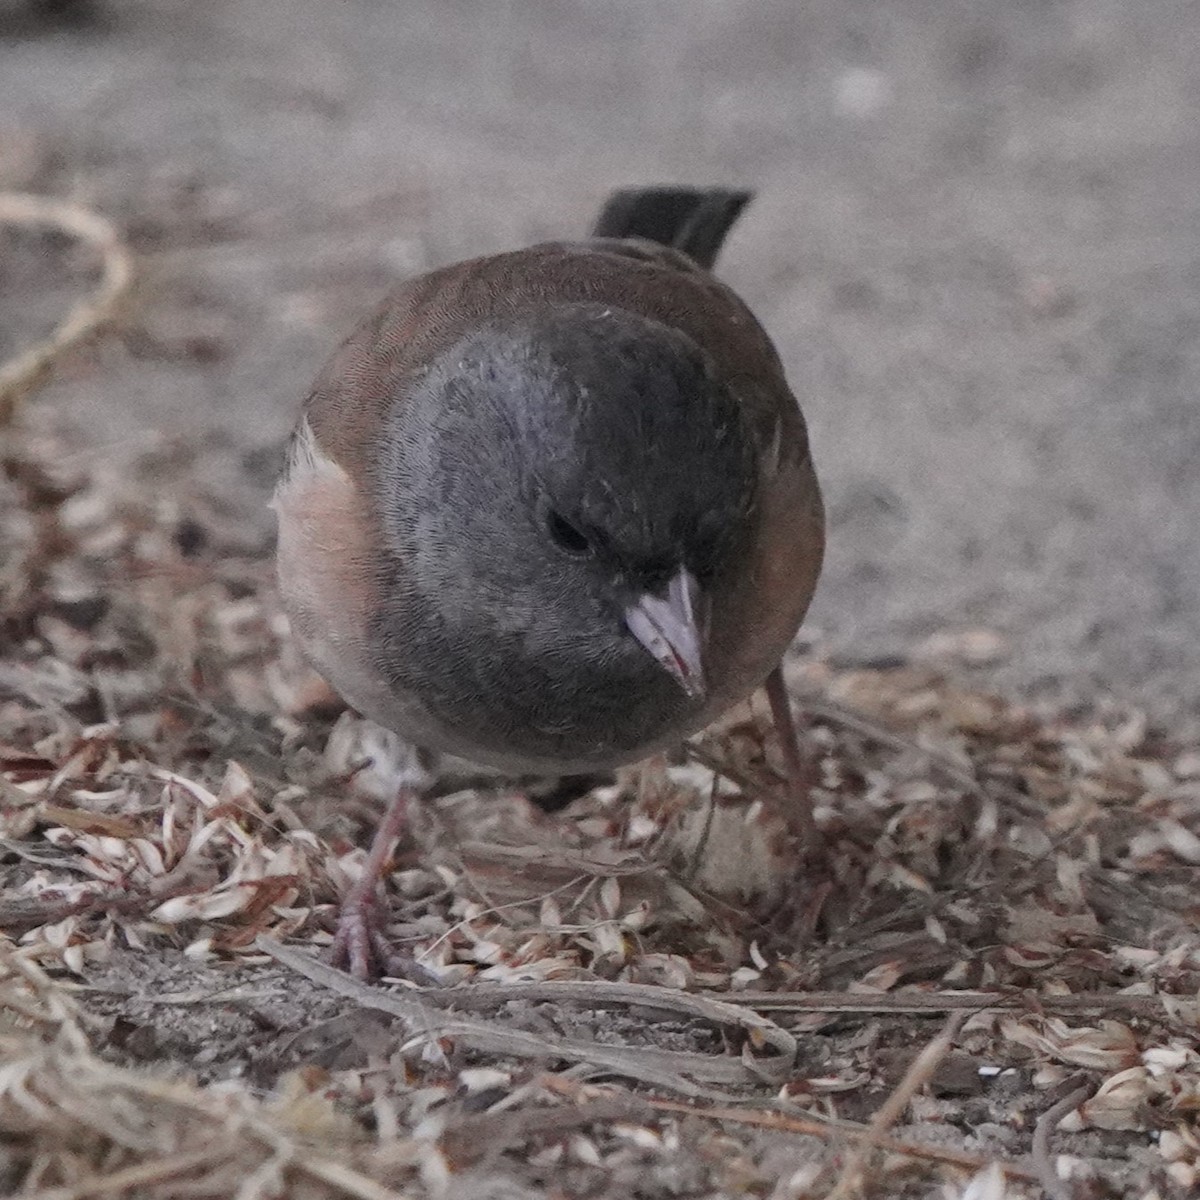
(424, 318)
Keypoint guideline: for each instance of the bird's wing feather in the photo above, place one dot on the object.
(428, 316)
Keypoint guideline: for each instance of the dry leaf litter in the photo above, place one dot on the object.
(638, 994)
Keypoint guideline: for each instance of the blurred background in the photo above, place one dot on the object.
(976, 242)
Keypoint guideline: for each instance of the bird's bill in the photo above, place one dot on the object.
(667, 626)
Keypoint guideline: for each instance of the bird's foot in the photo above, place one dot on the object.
(361, 947)
(801, 773)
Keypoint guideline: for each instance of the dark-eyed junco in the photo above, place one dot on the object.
(554, 510)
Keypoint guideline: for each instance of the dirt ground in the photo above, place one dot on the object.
(977, 243)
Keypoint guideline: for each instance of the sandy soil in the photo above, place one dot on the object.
(976, 243)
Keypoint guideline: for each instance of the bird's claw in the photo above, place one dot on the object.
(359, 945)
(361, 948)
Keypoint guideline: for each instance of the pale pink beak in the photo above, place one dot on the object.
(668, 628)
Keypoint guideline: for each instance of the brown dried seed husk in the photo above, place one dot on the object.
(175, 784)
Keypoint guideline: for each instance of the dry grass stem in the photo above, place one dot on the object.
(22, 373)
(919, 1072)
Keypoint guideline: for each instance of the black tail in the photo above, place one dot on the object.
(694, 220)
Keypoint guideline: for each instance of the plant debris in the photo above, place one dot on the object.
(637, 991)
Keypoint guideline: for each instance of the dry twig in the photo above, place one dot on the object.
(23, 372)
(599, 993)
(919, 1072)
(1056, 1188)
(838, 1130)
(1166, 1008)
(676, 1071)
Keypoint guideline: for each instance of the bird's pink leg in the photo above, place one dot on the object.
(358, 945)
(800, 768)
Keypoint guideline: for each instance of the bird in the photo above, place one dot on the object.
(554, 510)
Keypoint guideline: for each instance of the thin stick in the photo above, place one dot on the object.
(919, 1072)
(472, 1137)
(346, 1179)
(594, 993)
(834, 1130)
(135, 1176)
(1057, 1189)
(799, 771)
(1158, 1008)
(336, 1174)
(22, 373)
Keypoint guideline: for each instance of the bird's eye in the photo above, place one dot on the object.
(566, 536)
